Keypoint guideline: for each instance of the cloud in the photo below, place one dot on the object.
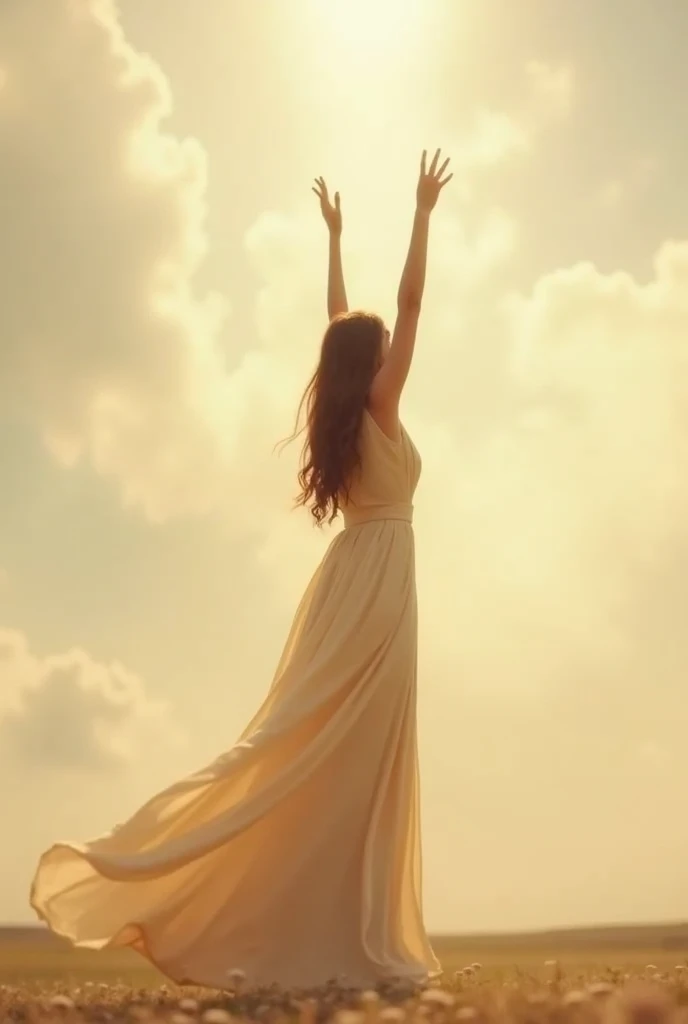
(493, 136)
(108, 352)
(552, 88)
(69, 711)
(616, 192)
(561, 479)
(552, 543)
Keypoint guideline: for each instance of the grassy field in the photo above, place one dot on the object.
(640, 975)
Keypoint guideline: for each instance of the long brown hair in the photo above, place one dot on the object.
(335, 399)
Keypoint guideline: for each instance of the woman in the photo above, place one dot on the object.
(295, 857)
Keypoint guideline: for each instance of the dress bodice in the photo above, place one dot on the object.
(387, 478)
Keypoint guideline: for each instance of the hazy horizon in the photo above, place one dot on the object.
(608, 927)
(161, 305)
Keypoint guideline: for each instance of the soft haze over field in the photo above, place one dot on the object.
(161, 301)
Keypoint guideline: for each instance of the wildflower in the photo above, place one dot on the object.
(215, 1015)
(188, 1005)
(574, 998)
(61, 1002)
(392, 1015)
(349, 1017)
(236, 977)
(600, 989)
(438, 996)
(370, 997)
(477, 967)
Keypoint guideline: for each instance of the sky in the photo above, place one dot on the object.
(162, 299)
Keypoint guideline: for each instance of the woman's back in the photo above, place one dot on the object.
(385, 482)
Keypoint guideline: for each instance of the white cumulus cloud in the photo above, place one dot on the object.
(69, 711)
(108, 351)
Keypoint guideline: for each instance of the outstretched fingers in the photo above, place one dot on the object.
(434, 171)
(433, 165)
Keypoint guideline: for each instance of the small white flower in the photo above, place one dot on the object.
(438, 996)
(467, 1013)
(188, 1005)
(600, 989)
(349, 1017)
(551, 963)
(215, 1015)
(477, 967)
(392, 1015)
(62, 1003)
(574, 998)
(651, 967)
(140, 1012)
(369, 997)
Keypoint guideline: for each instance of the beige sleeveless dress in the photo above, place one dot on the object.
(296, 855)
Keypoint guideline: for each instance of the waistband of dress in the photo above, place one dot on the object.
(377, 513)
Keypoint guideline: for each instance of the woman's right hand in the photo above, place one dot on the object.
(431, 182)
(332, 214)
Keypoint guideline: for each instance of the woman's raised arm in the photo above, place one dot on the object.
(391, 377)
(332, 214)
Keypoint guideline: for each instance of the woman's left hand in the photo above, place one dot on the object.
(332, 214)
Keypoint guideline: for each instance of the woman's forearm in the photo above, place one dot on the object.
(336, 292)
(412, 282)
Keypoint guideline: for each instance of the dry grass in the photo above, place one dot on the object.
(516, 985)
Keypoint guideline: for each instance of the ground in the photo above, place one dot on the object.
(619, 976)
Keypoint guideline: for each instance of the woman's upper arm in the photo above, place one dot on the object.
(390, 379)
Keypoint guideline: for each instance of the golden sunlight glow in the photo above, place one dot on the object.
(380, 27)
